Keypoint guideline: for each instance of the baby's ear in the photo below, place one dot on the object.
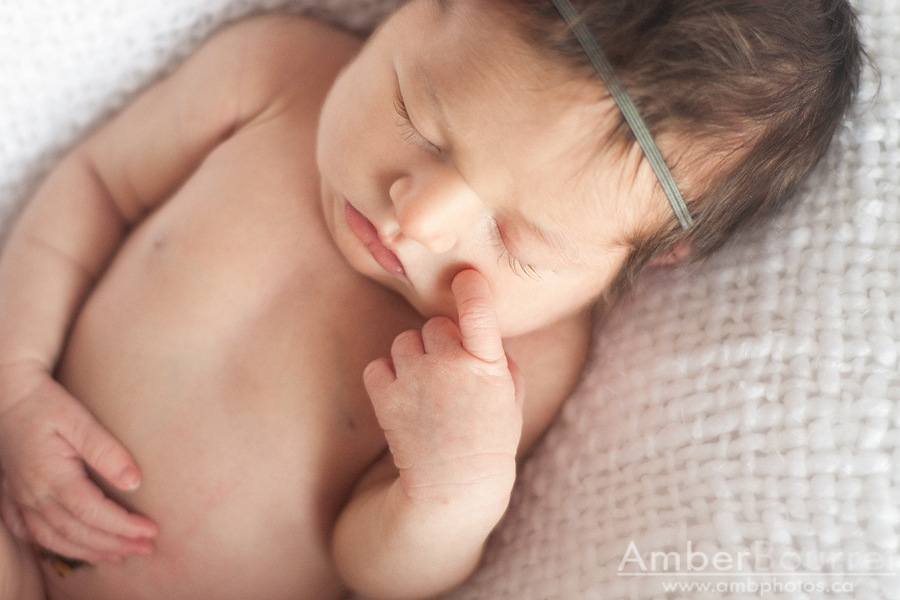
(676, 254)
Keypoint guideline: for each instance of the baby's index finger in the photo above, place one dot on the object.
(478, 323)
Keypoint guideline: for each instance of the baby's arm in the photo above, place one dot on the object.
(450, 404)
(60, 247)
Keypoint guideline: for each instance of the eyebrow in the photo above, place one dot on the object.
(432, 103)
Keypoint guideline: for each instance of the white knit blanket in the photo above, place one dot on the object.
(737, 428)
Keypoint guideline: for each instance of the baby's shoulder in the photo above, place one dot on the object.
(272, 52)
(282, 39)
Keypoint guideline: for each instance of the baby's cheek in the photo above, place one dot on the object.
(509, 314)
(522, 312)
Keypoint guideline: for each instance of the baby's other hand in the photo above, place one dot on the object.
(450, 404)
(46, 438)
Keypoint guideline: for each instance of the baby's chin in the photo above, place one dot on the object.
(429, 305)
(445, 305)
(430, 302)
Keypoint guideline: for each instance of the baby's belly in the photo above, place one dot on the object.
(243, 403)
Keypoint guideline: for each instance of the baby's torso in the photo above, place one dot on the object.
(225, 348)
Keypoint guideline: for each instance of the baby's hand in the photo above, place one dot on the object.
(46, 438)
(450, 404)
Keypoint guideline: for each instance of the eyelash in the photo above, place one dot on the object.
(518, 266)
(410, 133)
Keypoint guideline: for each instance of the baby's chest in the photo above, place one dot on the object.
(240, 319)
(225, 348)
(232, 370)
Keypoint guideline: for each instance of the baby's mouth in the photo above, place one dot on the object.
(368, 235)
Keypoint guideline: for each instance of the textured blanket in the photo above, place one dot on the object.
(737, 432)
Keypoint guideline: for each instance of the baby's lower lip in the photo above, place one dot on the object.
(368, 235)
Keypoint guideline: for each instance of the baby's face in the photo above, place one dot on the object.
(449, 143)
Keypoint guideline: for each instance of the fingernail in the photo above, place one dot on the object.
(130, 478)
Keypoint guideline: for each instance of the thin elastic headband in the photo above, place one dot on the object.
(629, 110)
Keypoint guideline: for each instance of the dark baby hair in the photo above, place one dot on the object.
(751, 90)
(771, 79)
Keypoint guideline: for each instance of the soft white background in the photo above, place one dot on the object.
(754, 398)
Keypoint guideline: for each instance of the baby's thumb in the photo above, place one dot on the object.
(103, 452)
(478, 324)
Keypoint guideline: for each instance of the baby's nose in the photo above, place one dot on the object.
(436, 212)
